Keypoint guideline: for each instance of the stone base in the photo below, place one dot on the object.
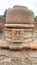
(18, 54)
(9, 45)
(15, 46)
(19, 57)
(8, 57)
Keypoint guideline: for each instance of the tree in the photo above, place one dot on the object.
(35, 18)
(4, 15)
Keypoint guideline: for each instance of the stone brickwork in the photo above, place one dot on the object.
(19, 14)
(1, 24)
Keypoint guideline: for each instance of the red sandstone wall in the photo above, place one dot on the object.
(35, 23)
(1, 24)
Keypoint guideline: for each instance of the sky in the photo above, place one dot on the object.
(5, 4)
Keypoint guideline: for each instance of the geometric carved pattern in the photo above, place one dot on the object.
(18, 35)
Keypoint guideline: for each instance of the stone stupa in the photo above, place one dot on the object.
(17, 47)
(19, 27)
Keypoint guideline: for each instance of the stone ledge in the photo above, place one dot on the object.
(9, 45)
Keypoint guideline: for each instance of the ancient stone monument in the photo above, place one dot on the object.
(19, 24)
(18, 44)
